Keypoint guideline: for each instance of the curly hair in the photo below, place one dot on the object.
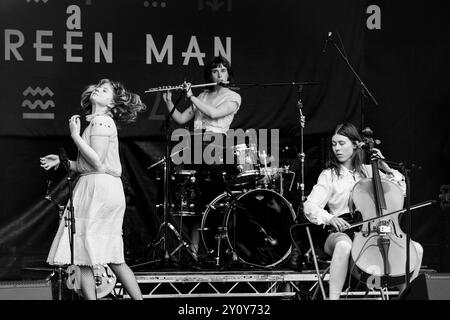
(126, 104)
(348, 130)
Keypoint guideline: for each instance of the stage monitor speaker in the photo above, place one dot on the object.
(26, 290)
(428, 286)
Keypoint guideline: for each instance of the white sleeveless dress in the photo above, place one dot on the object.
(99, 206)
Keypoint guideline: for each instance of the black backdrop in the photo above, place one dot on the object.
(403, 64)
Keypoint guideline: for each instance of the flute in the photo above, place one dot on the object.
(182, 86)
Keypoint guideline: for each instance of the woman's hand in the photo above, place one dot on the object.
(167, 96)
(75, 125)
(50, 161)
(187, 88)
(339, 224)
(381, 163)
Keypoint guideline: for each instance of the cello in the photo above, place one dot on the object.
(378, 255)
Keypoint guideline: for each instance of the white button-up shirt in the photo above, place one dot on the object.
(334, 191)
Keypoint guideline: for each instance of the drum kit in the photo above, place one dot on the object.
(245, 217)
(242, 215)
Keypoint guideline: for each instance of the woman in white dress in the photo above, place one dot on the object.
(98, 196)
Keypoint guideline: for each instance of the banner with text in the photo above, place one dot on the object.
(51, 49)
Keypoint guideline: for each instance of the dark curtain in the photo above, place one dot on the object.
(404, 65)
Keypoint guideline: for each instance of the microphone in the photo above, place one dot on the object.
(273, 242)
(64, 159)
(267, 238)
(326, 42)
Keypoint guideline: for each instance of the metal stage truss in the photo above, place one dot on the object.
(283, 284)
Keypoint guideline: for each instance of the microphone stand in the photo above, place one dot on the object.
(167, 160)
(60, 210)
(70, 220)
(364, 91)
(406, 169)
(301, 156)
(408, 223)
(166, 256)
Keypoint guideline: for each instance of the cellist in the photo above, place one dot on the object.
(344, 169)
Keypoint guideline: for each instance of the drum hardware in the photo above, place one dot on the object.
(186, 193)
(274, 178)
(182, 243)
(219, 236)
(163, 159)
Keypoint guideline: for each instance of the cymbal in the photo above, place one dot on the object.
(164, 158)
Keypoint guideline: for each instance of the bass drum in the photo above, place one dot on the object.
(253, 225)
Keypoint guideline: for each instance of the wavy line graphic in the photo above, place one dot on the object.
(43, 106)
(42, 92)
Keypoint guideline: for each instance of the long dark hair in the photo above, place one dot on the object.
(214, 63)
(126, 104)
(348, 130)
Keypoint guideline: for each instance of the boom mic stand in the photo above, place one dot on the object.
(364, 91)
